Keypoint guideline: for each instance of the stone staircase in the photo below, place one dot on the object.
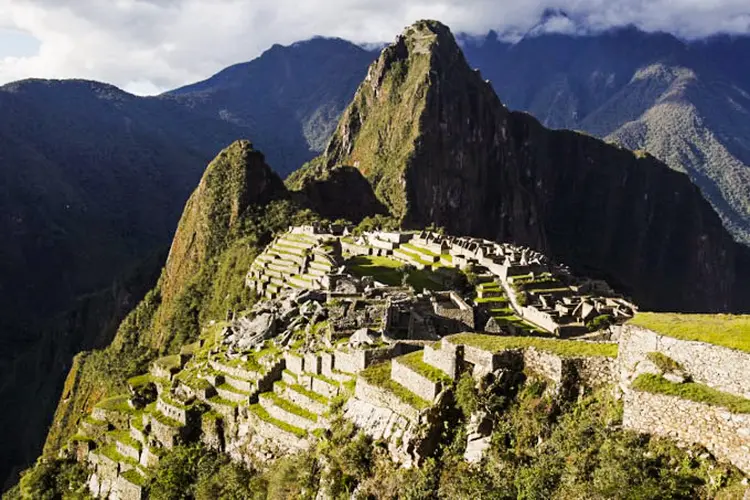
(293, 261)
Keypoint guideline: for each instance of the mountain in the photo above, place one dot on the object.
(93, 182)
(289, 99)
(428, 141)
(238, 205)
(438, 147)
(686, 103)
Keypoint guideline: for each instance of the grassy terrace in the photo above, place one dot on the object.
(171, 363)
(380, 375)
(132, 476)
(221, 401)
(692, 391)
(416, 363)
(288, 406)
(564, 348)
(304, 391)
(110, 451)
(415, 249)
(140, 380)
(382, 269)
(192, 380)
(727, 330)
(125, 438)
(116, 403)
(262, 414)
(163, 419)
(388, 271)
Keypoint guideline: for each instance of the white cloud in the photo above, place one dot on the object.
(150, 45)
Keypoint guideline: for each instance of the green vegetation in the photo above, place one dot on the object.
(305, 392)
(380, 375)
(383, 269)
(699, 393)
(116, 403)
(193, 472)
(416, 363)
(599, 322)
(565, 348)
(134, 477)
(663, 362)
(168, 421)
(727, 330)
(261, 413)
(289, 406)
(52, 479)
(140, 380)
(125, 438)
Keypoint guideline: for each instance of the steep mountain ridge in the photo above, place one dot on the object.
(288, 99)
(684, 102)
(438, 147)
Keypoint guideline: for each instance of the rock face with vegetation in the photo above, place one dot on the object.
(438, 146)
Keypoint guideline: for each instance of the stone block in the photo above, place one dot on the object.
(294, 363)
(414, 381)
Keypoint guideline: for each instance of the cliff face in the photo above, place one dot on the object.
(235, 180)
(438, 146)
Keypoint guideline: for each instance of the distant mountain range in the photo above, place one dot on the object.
(94, 179)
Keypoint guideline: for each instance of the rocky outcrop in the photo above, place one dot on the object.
(438, 146)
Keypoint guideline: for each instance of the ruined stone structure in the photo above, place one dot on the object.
(261, 386)
(723, 432)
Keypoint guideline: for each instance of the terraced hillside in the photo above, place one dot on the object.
(329, 340)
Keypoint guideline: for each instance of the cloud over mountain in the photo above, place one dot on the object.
(149, 45)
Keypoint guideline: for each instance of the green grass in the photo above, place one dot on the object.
(132, 476)
(663, 362)
(230, 388)
(727, 330)
(305, 392)
(423, 278)
(171, 363)
(125, 438)
(82, 438)
(491, 300)
(221, 401)
(110, 451)
(447, 257)
(415, 362)
(328, 380)
(288, 406)
(380, 375)
(381, 269)
(137, 423)
(140, 380)
(692, 391)
(163, 419)
(192, 380)
(291, 374)
(92, 421)
(261, 413)
(415, 248)
(564, 348)
(116, 403)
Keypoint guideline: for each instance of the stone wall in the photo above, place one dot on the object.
(125, 490)
(294, 363)
(447, 360)
(724, 369)
(596, 371)
(382, 398)
(415, 382)
(546, 364)
(173, 412)
(724, 434)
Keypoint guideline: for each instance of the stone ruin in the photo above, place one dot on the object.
(262, 385)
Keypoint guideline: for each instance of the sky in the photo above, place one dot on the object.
(149, 46)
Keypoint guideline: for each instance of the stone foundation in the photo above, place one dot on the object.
(724, 434)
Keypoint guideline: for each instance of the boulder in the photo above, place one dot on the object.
(362, 337)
